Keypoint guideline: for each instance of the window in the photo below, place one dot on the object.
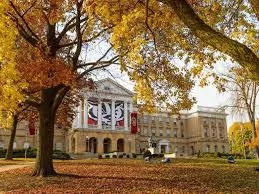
(183, 149)
(161, 133)
(145, 119)
(213, 132)
(216, 148)
(182, 134)
(181, 123)
(160, 119)
(223, 149)
(153, 118)
(176, 149)
(107, 88)
(220, 133)
(167, 119)
(206, 132)
(208, 148)
(175, 132)
(168, 132)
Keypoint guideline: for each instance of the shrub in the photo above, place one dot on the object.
(107, 156)
(147, 153)
(134, 155)
(57, 154)
(160, 155)
(157, 155)
(100, 156)
(31, 153)
(128, 156)
(114, 156)
(121, 156)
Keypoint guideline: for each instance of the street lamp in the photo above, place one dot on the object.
(87, 139)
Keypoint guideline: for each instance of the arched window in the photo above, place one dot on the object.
(107, 145)
(120, 145)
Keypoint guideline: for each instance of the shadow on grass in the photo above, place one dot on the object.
(70, 175)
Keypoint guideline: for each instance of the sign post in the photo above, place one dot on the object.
(26, 147)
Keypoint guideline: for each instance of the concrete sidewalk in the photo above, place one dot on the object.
(15, 166)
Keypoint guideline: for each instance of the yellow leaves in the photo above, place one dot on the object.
(146, 36)
(8, 34)
(11, 84)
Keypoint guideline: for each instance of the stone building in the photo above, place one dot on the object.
(104, 124)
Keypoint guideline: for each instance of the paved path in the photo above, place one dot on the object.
(15, 166)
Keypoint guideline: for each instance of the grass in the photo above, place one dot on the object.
(136, 176)
(15, 161)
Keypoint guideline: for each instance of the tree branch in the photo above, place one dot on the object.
(239, 52)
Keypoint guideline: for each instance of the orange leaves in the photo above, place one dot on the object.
(41, 71)
(255, 141)
(135, 176)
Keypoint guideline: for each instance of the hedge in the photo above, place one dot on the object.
(31, 153)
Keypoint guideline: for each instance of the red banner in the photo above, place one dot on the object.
(134, 122)
(31, 127)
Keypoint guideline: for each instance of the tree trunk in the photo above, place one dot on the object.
(9, 152)
(257, 152)
(44, 162)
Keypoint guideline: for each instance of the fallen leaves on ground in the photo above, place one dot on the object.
(136, 176)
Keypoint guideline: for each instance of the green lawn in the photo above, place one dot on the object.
(136, 176)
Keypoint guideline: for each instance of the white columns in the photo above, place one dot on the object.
(113, 115)
(79, 114)
(126, 126)
(99, 114)
(131, 107)
(130, 111)
(85, 113)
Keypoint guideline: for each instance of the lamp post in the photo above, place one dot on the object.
(87, 139)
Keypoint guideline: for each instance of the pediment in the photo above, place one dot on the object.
(110, 86)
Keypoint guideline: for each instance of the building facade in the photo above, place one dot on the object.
(104, 124)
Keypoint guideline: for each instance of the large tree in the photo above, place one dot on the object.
(200, 32)
(52, 41)
(244, 92)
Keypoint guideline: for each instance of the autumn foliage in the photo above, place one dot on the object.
(108, 176)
